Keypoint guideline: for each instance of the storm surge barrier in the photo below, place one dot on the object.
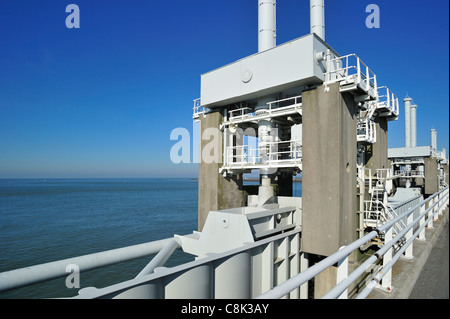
(269, 268)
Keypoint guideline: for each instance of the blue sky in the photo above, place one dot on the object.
(102, 100)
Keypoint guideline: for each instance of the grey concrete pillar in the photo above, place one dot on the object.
(431, 176)
(376, 154)
(215, 192)
(329, 170)
(446, 173)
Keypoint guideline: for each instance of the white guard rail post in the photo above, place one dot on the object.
(435, 207)
(387, 268)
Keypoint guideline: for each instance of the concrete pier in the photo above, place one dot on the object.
(377, 154)
(329, 170)
(215, 192)
(431, 176)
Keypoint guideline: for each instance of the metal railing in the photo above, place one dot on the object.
(282, 152)
(351, 69)
(377, 213)
(366, 131)
(411, 173)
(295, 101)
(409, 160)
(388, 100)
(241, 113)
(436, 204)
(44, 272)
(230, 275)
(198, 109)
(277, 108)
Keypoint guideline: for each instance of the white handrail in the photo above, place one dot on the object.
(366, 131)
(379, 276)
(387, 214)
(39, 273)
(198, 109)
(273, 106)
(388, 100)
(342, 69)
(296, 281)
(438, 202)
(338, 289)
(275, 155)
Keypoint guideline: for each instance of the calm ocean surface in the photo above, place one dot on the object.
(48, 220)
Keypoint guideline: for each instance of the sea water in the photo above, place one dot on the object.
(43, 220)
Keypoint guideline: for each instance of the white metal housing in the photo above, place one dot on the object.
(284, 67)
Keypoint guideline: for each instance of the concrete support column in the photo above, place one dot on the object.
(215, 192)
(376, 154)
(431, 176)
(446, 173)
(329, 170)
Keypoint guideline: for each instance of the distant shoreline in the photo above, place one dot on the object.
(294, 180)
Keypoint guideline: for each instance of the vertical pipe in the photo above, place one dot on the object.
(413, 125)
(267, 30)
(317, 16)
(267, 34)
(265, 145)
(407, 101)
(433, 140)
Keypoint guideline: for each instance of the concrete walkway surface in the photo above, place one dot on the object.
(427, 275)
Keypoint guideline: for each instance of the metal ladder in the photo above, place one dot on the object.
(377, 209)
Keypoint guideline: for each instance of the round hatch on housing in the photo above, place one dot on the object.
(247, 75)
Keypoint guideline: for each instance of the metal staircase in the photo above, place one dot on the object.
(366, 128)
(377, 210)
(377, 213)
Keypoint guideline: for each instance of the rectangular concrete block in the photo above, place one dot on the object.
(376, 155)
(431, 176)
(446, 173)
(215, 192)
(329, 170)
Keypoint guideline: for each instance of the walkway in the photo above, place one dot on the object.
(427, 275)
(433, 282)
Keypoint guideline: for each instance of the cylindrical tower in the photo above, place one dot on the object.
(407, 102)
(267, 30)
(317, 16)
(413, 125)
(266, 40)
(433, 140)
